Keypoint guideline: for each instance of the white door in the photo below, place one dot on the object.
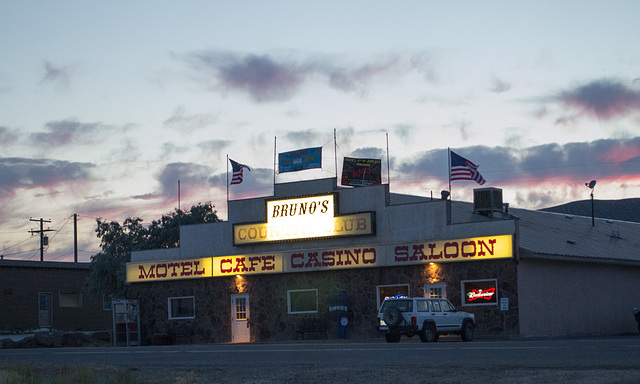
(44, 310)
(240, 325)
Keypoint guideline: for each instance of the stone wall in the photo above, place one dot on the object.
(270, 320)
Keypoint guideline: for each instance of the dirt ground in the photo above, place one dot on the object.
(405, 374)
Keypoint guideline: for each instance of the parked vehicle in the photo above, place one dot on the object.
(428, 318)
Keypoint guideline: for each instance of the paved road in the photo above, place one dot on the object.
(606, 353)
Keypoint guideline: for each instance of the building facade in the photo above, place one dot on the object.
(318, 251)
(36, 294)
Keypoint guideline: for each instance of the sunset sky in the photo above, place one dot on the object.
(104, 106)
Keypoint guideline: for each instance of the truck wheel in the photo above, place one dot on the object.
(392, 337)
(392, 317)
(428, 333)
(467, 331)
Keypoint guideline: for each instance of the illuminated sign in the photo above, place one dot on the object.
(247, 264)
(337, 258)
(480, 292)
(480, 248)
(442, 251)
(303, 218)
(169, 270)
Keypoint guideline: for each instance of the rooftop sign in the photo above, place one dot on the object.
(303, 219)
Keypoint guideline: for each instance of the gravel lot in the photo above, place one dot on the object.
(406, 374)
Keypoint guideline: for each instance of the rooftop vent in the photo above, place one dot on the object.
(486, 201)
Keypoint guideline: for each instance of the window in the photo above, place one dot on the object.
(302, 301)
(106, 302)
(182, 308)
(385, 291)
(446, 306)
(241, 308)
(436, 290)
(70, 300)
(403, 305)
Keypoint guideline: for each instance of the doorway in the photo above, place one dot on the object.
(240, 323)
(44, 310)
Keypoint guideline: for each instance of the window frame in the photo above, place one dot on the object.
(77, 304)
(381, 299)
(439, 285)
(494, 302)
(289, 292)
(107, 302)
(169, 309)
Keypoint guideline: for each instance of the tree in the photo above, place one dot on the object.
(108, 267)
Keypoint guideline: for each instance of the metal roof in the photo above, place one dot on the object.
(560, 236)
(42, 264)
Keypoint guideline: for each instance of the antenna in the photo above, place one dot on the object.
(591, 185)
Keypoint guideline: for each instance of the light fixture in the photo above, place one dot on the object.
(591, 185)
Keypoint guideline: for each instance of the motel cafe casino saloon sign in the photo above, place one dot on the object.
(441, 251)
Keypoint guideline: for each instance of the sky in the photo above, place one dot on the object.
(105, 106)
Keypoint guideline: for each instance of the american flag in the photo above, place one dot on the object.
(237, 172)
(463, 169)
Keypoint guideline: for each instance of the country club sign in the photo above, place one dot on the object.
(303, 218)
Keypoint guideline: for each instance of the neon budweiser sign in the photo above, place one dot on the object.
(479, 294)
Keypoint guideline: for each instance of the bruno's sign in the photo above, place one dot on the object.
(303, 218)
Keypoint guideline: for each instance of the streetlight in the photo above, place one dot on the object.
(591, 185)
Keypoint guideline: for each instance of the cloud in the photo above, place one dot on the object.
(146, 196)
(257, 182)
(20, 173)
(188, 123)
(58, 76)
(611, 159)
(276, 78)
(64, 133)
(191, 175)
(7, 136)
(499, 86)
(307, 137)
(369, 152)
(214, 147)
(604, 99)
(261, 76)
(357, 78)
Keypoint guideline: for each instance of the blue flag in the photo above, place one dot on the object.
(300, 160)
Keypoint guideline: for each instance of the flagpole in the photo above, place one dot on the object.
(274, 164)
(227, 186)
(388, 173)
(335, 153)
(449, 198)
(449, 159)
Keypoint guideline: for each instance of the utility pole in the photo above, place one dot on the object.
(75, 237)
(41, 233)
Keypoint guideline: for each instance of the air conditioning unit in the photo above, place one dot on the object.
(487, 200)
